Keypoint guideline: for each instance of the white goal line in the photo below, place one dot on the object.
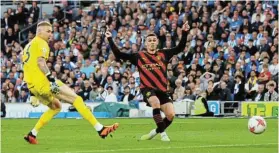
(164, 148)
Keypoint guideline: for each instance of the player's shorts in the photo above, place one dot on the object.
(162, 96)
(42, 91)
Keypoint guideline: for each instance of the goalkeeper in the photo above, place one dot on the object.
(49, 90)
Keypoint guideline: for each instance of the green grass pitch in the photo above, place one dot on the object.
(187, 136)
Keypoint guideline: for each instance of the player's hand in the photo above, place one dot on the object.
(54, 88)
(34, 101)
(108, 34)
(186, 26)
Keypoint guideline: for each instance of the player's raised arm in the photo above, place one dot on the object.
(117, 53)
(180, 47)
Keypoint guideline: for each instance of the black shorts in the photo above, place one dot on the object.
(162, 96)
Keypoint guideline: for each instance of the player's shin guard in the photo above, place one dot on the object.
(45, 118)
(167, 122)
(158, 120)
(85, 112)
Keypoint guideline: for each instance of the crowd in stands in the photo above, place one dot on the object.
(231, 51)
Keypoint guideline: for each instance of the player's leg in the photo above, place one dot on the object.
(162, 99)
(68, 95)
(54, 108)
(168, 109)
(155, 104)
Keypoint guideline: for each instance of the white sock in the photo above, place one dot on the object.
(98, 127)
(153, 132)
(163, 134)
(34, 132)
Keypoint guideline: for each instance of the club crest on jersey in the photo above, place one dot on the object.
(148, 94)
(44, 51)
(158, 57)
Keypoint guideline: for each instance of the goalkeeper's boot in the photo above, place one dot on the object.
(107, 130)
(165, 137)
(31, 138)
(149, 136)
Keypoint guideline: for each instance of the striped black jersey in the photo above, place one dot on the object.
(152, 67)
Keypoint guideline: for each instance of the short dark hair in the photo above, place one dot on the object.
(126, 87)
(238, 76)
(110, 87)
(151, 34)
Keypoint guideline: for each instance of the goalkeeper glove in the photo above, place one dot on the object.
(54, 88)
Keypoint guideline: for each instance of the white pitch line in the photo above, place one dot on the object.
(164, 148)
(153, 123)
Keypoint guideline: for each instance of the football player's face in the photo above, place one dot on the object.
(47, 32)
(151, 43)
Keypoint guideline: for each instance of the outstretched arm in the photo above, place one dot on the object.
(117, 53)
(180, 47)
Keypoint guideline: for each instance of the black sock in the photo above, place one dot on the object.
(167, 123)
(158, 120)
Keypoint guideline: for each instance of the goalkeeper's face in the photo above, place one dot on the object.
(45, 32)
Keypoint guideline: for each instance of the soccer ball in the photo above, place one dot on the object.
(257, 124)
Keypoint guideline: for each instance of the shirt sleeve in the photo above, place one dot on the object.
(43, 50)
(169, 53)
(119, 55)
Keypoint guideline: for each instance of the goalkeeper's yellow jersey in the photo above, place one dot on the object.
(32, 51)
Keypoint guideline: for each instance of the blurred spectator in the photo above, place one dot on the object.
(251, 85)
(271, 94)
(3, 109)
(88, 68)
(111, 83)
(6, 22)
(93, 93)
(188, 94)
(23, 96)
(259, 96)
(211, 94)
(85, 93)
(34, 11)
(57, 13)
(227, 40)
(239, 89)
(127, 95)
(111, 97)
(20, 17)
(224, 92)
(265, 76)
(179, 90)
(204, 80)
